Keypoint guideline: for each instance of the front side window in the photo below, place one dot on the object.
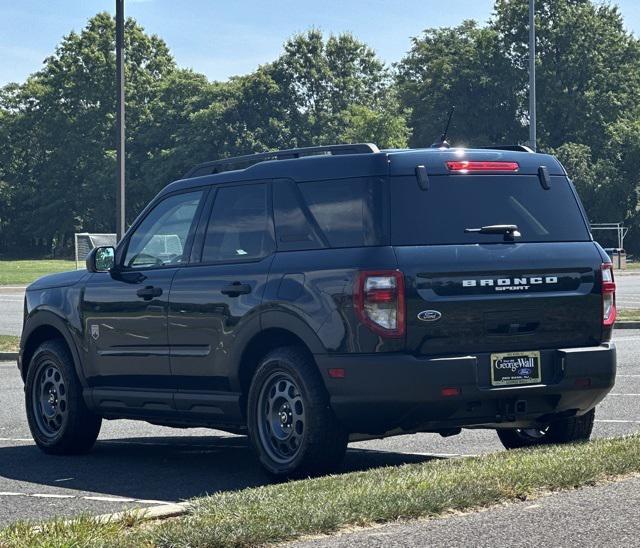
(239, 225)
(161, 238)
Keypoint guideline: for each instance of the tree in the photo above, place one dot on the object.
(62, 125)
(317, 92)
(459, 67)
(588, 66)
(327, 85)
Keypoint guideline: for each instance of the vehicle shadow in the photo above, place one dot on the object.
(167, 469)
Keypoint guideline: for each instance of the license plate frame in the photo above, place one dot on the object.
(517, 368)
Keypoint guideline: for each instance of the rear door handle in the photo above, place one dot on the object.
(149, 292)
(235, 289)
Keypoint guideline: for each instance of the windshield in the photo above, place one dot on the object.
(454, 203)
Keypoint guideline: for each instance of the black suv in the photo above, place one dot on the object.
(311, 296)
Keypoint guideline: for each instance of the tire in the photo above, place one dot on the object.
(570, 430)
(291, 426)
(59, 420)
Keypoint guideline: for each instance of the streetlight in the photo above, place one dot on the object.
(532, 75)
(120, 196)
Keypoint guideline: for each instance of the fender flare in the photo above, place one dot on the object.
(282, 319)
(48, 318)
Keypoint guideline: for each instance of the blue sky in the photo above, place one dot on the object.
(221, 38)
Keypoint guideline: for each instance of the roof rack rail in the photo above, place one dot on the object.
(242, 162)
(515, 148)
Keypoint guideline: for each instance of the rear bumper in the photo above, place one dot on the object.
(381, 393)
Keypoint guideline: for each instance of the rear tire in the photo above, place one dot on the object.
(570, 430)
(59, 420)
(291, 426)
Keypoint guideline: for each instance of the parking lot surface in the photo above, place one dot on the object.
(135, 464)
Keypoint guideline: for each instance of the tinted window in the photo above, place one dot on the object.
(239, 225)
(453, 203)
(161, 237)
(337, 213)
(295, 227)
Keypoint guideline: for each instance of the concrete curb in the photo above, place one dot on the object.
(627, 325)
(163, 511)
(8, 356)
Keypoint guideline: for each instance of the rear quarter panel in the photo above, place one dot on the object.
(315, 289)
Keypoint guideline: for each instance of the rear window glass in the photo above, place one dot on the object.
(335, 213)
(455, 202)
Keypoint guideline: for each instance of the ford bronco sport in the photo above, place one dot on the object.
(312, 295)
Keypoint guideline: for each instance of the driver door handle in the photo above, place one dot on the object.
(235, 289)
(149, 292)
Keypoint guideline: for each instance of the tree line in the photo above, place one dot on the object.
(57, 136)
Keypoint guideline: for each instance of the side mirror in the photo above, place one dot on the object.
(101, 259)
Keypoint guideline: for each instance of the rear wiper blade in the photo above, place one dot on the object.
(510, 232)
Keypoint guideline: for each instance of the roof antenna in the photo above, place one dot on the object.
(442, 142)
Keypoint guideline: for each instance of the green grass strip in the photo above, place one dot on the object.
(628, 315)
(9, 343)
(25, 272)
(281, 512)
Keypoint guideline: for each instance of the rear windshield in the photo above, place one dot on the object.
(452, 203)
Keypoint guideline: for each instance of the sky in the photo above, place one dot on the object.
(222, 38)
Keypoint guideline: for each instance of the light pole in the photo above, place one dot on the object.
(532, 75)
(120, 196)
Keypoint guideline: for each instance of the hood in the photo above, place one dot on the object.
(61, 279)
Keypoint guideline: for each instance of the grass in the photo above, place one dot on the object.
(9, 343)
(628, 315)
(280, 512)
(25, 272)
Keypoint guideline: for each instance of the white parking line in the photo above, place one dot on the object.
(51, 496)
(94, 498)
(16, 439)
(618, 395)
(109, 499)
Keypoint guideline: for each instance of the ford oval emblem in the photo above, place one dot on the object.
(429, 315)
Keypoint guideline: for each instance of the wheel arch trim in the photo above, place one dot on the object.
(47, 319)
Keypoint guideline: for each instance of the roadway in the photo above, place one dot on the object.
(135, 464)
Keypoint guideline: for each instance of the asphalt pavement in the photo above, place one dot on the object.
(135, 464)
(628, 289)
(11, 304)
(606, 515)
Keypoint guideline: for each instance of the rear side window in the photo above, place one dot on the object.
(455, 202)
(335, 213)
(238, 228)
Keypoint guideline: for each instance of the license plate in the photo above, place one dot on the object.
(514, 368)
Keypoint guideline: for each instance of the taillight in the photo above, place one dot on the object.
(469, 166)
(379, 302)
(608, 295)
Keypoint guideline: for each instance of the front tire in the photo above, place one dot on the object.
(568, 430)
(59, 420)
(291, 426)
